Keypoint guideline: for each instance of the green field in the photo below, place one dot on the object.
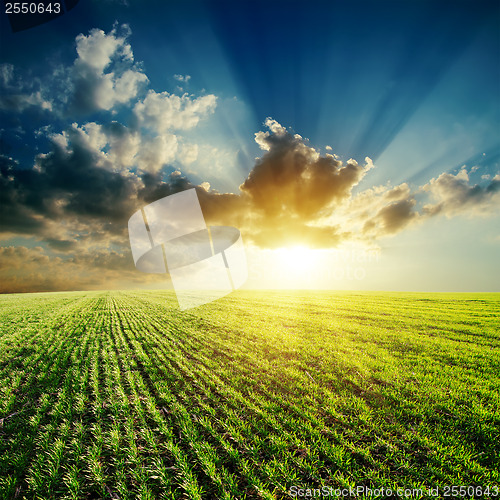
(122, 395)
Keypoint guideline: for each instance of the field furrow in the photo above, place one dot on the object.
(121, 395)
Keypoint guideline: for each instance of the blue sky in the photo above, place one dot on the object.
(414, 86)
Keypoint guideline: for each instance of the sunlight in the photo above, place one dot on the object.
(297, 259)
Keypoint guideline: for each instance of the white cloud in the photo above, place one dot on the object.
(181, 78)
(104, 73)
(276, 128)
(123, 148)
(117, 148)
(163, 111)
(213, 162)
(157, 152)
(103, 76)
(96, 50)
(188, 153)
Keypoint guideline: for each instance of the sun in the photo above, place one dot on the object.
(293, 267)
(297, 259)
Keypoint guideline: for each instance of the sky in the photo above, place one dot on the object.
(355, 145)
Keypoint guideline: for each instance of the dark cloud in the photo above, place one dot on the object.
(292, 180)
(82, 187)
(289, 190)
(76, 193)
(155, 187)
(20, 197)
(62, 245)
(392, 218)
(67, 185)
(451, 195)
(295, 196)
(77, 198)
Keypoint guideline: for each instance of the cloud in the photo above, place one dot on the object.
(122, 145)
(293, 180)
(20, 102)
(103, 75)
(183, 79)
(163, 112)
(287, 193)
(188, 153)
(293, 195)
(74, 200)
(156, 152)
(18, 96)
(392, 218)
(84, 190)
(24, 269)
(70, 185)
(6, 74)
(380, 211)
(453, 195)
(97, 49)
(122, 149)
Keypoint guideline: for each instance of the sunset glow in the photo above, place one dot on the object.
(305, 139)
(297, 259)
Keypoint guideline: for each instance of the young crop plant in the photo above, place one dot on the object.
(122, 395)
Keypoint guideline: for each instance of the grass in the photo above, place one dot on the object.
(121, 395)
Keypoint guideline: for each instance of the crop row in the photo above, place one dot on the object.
(121, 395)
